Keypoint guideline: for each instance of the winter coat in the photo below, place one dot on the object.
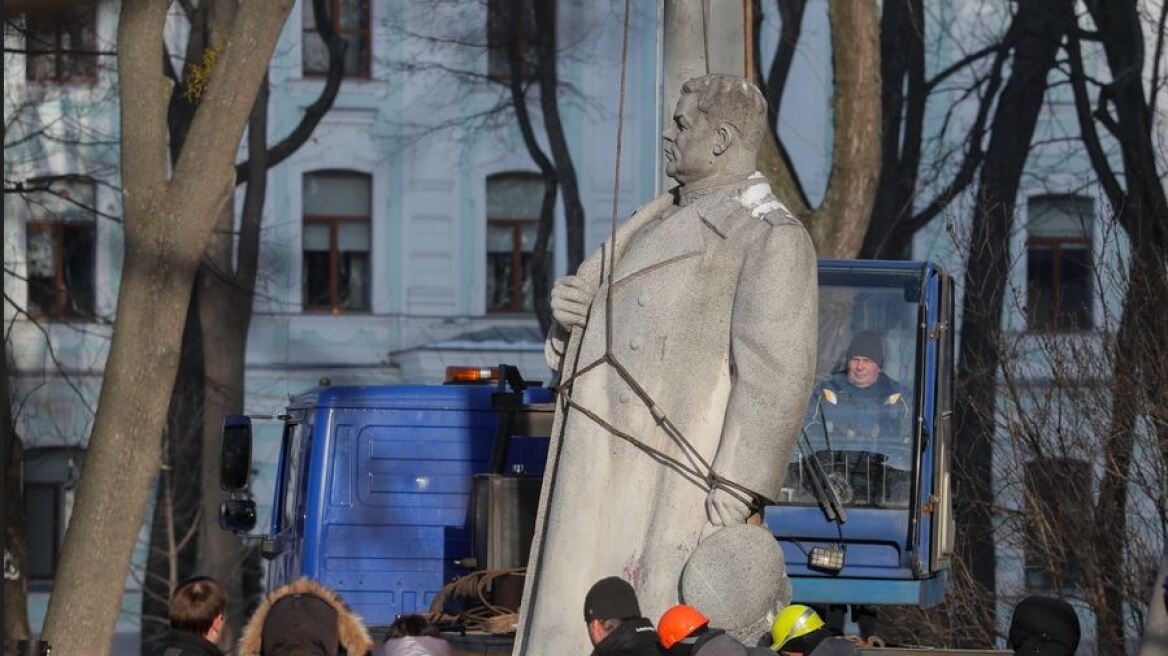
(1043, 626)
(415, 646)
(873, 418)
(635, 637)
(185, 643)
(716, 642)
(714, 316)
(304, 618)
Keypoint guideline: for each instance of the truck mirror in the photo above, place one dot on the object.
(235, 453)
(237, 515)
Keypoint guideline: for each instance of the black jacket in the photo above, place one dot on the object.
(716, 642)
(635, 637)
(185, 643)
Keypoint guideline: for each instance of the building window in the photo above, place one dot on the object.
(351, 22)
(1056, 491)
(1058, 264)
(61, 248)
(49, 478)
(336, 241)
(502, 28)
(62, 43)
(513, 208)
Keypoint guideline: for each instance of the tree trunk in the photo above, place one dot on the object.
(549, 86)
(226, 292)
(1139, 376)
(1043, 25)
(838, 225)
(176, 494)
(903, 95)
(14, 617)
(167, 224)
(539, 265)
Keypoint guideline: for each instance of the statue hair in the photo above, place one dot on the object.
(732, 100)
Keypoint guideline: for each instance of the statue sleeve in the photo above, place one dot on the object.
(773, 334)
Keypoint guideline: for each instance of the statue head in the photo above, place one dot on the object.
(716, 129)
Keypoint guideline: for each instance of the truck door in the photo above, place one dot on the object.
(283, 546)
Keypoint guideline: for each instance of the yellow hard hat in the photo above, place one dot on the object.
(793, 621)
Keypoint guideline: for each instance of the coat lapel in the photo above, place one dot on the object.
(674, 238)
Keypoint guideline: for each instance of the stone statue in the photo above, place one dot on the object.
(684, 373)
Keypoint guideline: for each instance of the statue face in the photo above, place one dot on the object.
(690, 141)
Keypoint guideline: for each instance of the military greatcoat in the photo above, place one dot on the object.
(713, 315)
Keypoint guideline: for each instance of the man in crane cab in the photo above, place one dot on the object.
(858, 421)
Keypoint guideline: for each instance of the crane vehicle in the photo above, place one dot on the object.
(386, 493)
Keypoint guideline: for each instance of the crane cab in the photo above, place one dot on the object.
(864, 515)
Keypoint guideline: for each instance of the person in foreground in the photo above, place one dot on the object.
(304, 618)
(685, 631)
(799, 631)
(196, 619)
(614, 622)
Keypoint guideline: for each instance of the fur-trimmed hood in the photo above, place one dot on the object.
(351, 633)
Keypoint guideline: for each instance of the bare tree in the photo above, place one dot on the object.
(1137, 197)
(212, 378)
(1040, 28)
(168, 220)
(838, 224)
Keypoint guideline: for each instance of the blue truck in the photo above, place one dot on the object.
(386, 493)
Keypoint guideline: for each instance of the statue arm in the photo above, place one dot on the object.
(592, 270)
(772, 349)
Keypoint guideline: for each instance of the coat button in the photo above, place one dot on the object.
(635, 343)
(642, 300)
(624, 397)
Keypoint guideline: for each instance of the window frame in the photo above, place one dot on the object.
(334, 224)
(58, 493)
(1056, 244)
(56, 228)
(516, 282)
(365, 32)
(1036, 558)
(59, 53)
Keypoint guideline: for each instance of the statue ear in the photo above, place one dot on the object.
(725, 137)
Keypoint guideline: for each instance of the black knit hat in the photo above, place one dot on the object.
(869, 345)
(1044, 626)
(611, 598)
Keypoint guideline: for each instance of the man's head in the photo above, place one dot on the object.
(610, 601)
(197, 606)
(865, 359)
(716, 129)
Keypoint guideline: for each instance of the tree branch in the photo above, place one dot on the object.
(1158, 59)
(316, 111)
(975, 153)
(144, 94)
(1089, 135)
(956, 66)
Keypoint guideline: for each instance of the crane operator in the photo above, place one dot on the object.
(859, 421)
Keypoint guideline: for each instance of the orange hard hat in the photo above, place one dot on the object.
(678, 622)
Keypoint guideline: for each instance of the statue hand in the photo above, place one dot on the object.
(571, 297)
(725, 509)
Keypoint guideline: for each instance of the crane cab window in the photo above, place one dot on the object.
(858, 423)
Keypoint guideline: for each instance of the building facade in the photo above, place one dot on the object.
(397, 240)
